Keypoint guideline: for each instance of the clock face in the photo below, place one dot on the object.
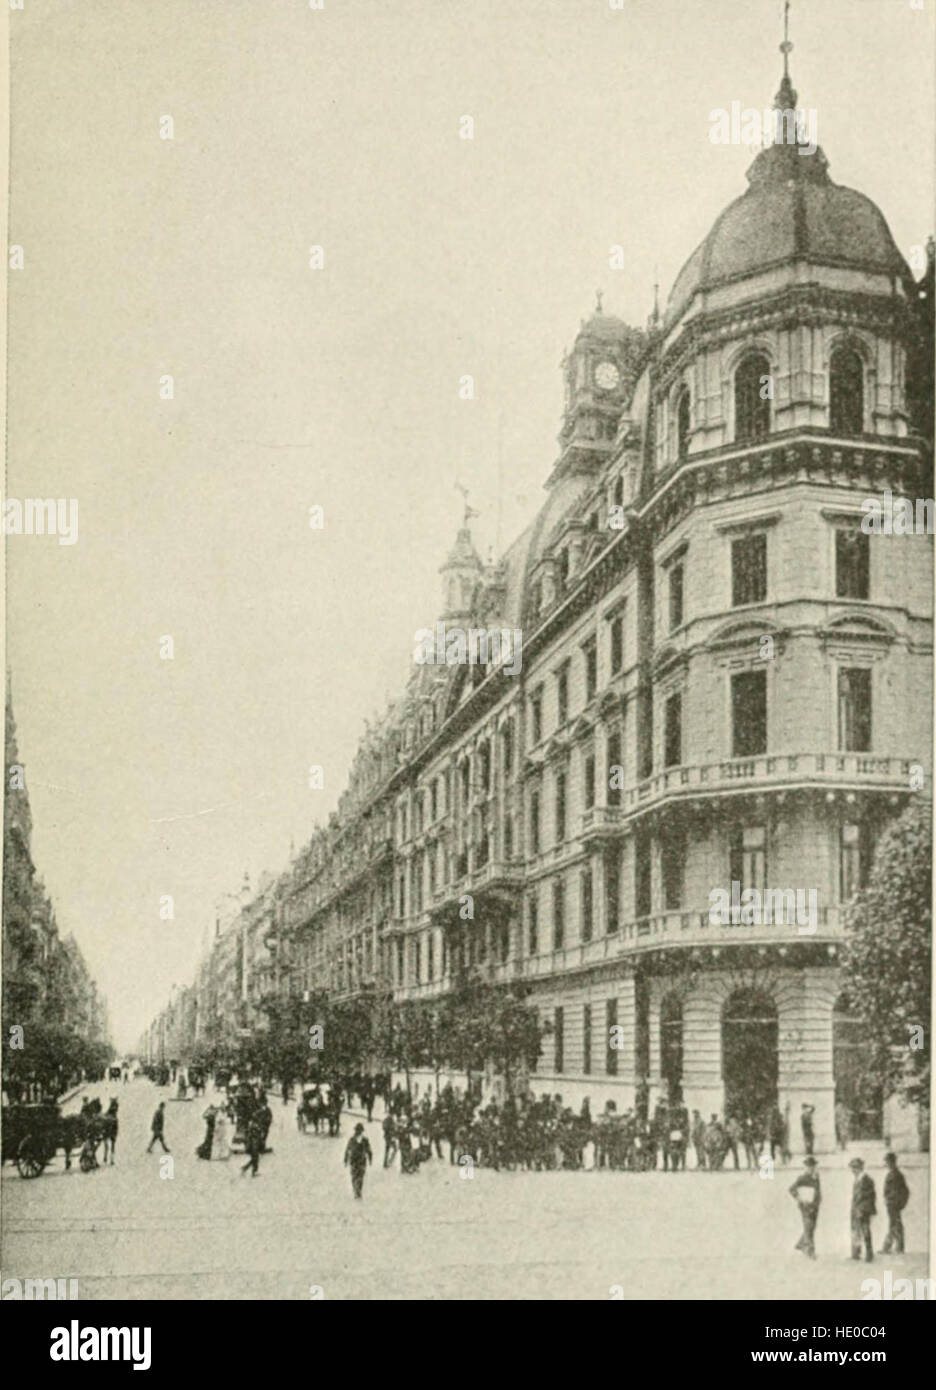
(607, 376)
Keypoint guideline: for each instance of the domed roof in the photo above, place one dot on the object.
(791, 211)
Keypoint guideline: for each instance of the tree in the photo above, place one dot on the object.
(514, 1034)
(886, 957)
(490, 1023)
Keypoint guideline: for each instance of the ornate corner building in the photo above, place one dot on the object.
(724, 681)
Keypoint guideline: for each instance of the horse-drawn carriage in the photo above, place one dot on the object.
(33, 1134)
(316, 1108)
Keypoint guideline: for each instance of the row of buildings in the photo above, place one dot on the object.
(724, 680)
(45, 976)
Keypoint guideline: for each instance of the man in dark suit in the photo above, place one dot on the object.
(896, 1197)
(863, 1207)
(357, 1156)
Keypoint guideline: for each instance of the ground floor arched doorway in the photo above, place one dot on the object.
(750, 1061)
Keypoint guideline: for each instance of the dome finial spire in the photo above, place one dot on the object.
(786, 48)
(785, 100)
(599, 295)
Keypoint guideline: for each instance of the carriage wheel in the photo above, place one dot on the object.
(30, 1161)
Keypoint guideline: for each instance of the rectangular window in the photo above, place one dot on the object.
(611, 1023)
(534, 823)
(508, 838)
(615, 770)
(672, 731)
(854, 709)
(562, 571)
(590, 651)
(558, 915)
(749, 569)
(484, 768)
(852, 563)
(748, 858)
(590, 781)
(430, 957)
(559, 1038)
(675, 596)
(560, 807)
(587, 1039)
(434, 800)
(854, 859)
(507, 750)
(617, 644)
(588, 905)
(643, 902)
(673, 868)
(612, 893)
(533, 926)
(748, 714)
(562, 696)
(536, 715)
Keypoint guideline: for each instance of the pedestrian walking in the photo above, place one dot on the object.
(808, 1194)
(896, 1197)
(254, 1137)
(210, 1116)
(158, 1127)
(863, 1207)
(390, 1140)
(221, 1147)
(806, 1124)
(357, 1156)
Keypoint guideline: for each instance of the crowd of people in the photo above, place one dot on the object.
(541, 1133)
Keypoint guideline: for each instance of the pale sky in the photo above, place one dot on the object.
(338, 387)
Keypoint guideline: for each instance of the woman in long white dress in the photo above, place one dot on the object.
(221, 1148)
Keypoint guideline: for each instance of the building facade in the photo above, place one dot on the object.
(45, 976)
(725, 681)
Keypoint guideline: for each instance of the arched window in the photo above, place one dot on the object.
(752, 409)
(682, 424)
(846, 392)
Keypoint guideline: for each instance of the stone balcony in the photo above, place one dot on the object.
(764, 772)
(641, 935)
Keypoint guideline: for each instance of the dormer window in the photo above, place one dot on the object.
(752, 401)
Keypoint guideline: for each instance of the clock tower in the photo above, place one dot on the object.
(599, 376)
